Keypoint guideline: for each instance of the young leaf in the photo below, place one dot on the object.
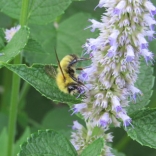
(47, 143)
(94, 149)
(144, 127)
(145, 83)
(15, 46)
(38, 77)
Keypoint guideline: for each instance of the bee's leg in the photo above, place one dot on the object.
(76, 80)
(83, 68)
(80, 68)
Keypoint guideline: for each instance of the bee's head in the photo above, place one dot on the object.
(75, 89)
(75, 57)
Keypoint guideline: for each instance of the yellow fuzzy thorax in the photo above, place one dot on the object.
(65, 62)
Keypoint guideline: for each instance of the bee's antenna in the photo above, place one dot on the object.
(59, 64)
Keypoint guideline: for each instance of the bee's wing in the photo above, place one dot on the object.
(50, 70)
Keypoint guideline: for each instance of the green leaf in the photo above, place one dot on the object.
(144, 127)
(33, 52)
(42, 82)
(94, 149)
(15, 46)
(44, 12)
(40, 12)
(11, 8)
(20, 141)
(3, 121)
(2, 39)
(47, 143)
(154, 2)
(145, 83)
(71, 34)
(86, 7)
(63, 122)
(43, 50)
(67, 38)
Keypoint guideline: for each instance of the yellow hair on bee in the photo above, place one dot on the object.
(65, 62)
(61, 83)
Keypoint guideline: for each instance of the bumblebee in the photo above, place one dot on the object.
(66, 77)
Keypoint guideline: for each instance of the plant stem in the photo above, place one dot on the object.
(6, 81)
(123, 142)
(15, 88)
(24, 12)
(23, 92)
(13, 109)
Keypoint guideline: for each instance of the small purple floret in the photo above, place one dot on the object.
(116, 11)
(103, 123)
(148, 59)
(150, 38)
(144, 46)
(152, 27)
(127, 122)
(134, 97)
(111, 41)
(129, 58)
(153, 12)
(99, 5)
(110, 54)
(118, 109)
(93, 47)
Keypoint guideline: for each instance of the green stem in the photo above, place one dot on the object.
(23, 92)
(123, 142)
(13, 109)
(35, 124)
(6, 81)
(15, 88)
(24, 12)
